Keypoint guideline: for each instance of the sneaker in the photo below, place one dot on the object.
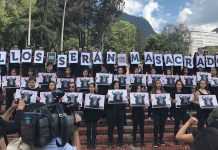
(162, 142)
(149, 118)
(168, 118)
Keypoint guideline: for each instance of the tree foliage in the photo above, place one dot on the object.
(175, 37)
(86, 20)
(122, 36)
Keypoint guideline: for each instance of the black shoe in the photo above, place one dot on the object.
(155, 144)
(177, 143)
(93, 145)
(142, 144)
(162, 142)
(89, 145)
(134, 144)
(111, 144)
(121, 145)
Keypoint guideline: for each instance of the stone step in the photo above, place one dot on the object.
(127, 129)
(148, 146)
(127, 138)
(129, 123)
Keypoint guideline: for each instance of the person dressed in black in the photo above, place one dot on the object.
(202, 114)
(180, 113)
(132, 66)
(138, 117)
(115, 116)
(102, 90)
(7, 127)
(73, 89)
(159, 116)
(186, 71)
(85, 73)
(214, 89)
(10, 91)
(33, 87)
(205, 139)
(91, 118)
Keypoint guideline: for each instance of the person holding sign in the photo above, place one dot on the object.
(159, 116)
(115, 114)
(214, 88)
(91, 118)
(32, 87)
(10, 91)
(202, 89)
(85, 73)
(138, 117)
(180, 113)
(73, 89)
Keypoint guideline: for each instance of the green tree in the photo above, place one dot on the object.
(154, 42)
(141, 40)
(13, 22)
(46, 23)
(121, 36)
(107, 11)
(175, 37)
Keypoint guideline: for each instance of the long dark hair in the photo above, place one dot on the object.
(198, 86)
(182, 85)
(154, 89)
(135, 87)
(65, 71)
(93, 85)
(113, 83)
(74, 86)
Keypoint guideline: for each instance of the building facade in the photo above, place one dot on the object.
(202, 39)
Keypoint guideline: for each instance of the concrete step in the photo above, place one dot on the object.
(127, 138)
(127, 129)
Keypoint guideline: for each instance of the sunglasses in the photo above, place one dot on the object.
(71, 86)
(30, 71)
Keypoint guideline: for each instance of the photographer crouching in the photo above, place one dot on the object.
(48, 127)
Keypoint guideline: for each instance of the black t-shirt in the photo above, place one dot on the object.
(36, 89)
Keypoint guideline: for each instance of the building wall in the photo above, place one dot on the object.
(202, 39)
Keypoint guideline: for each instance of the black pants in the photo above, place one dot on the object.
(150, 111)
(159, 116)
(202, 117)
(138, 116)
(180, 114)
(91, 131)
(115, 116)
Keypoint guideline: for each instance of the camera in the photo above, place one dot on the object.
(57, 95)
(41, 125)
